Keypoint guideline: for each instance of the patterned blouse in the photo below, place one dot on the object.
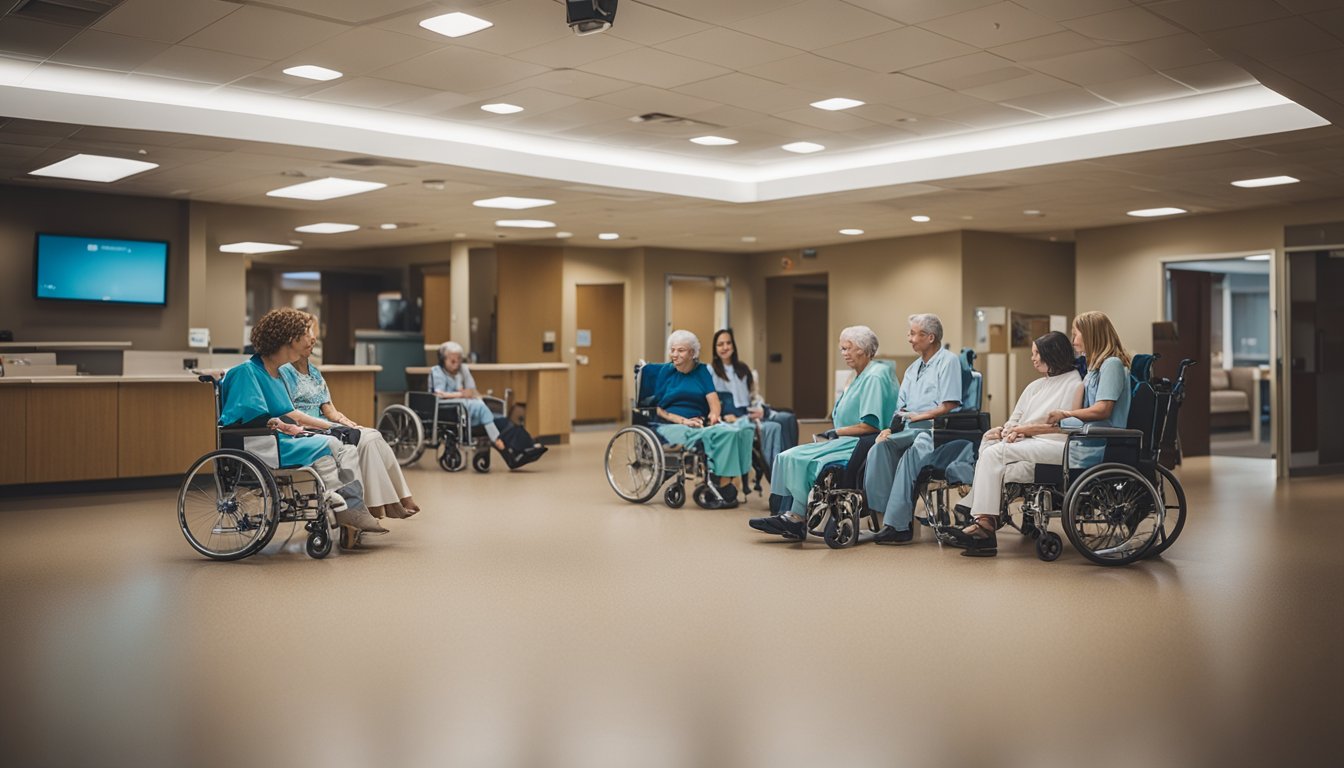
(308, 391)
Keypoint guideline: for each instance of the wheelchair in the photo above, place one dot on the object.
(639, 463)
(1122, 509)
(425, 420)
(230, 503)
(837, 514)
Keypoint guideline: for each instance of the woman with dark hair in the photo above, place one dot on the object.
(779, 431)
(1025, 437)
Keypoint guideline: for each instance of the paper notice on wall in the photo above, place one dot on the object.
(198, 338)
(583, 338)
(1059, 323)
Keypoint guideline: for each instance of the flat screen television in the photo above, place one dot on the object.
(69, 268)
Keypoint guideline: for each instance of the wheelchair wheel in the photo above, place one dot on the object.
(480, 461)
(1171, 493)
(228, 505)
(451, 459)
(1048, 546)
(635, 466)
(405, 435)
(702, 497)
(319, 545)
(1111, 514)
(675, 495)
(842, 528)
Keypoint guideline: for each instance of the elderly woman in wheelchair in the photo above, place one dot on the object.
(678, 432)
(234, 497)
(451, 381)
(866, 403)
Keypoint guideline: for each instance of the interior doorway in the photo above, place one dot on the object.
(599, 352)
(1222, 311)
(798, 371)
(699, 304)
(1316, 358)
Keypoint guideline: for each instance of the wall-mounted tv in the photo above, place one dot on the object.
(104, 270)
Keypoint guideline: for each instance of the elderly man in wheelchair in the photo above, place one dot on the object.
(677, 433)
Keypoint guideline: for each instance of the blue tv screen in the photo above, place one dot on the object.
(100, 269)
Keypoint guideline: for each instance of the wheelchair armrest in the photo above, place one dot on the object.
(967, 421)
(1106, 432)
(491, 401)
(246, 431)
(942, 437)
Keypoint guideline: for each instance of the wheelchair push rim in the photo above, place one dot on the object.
(228, 505)
(1112, 514)
(634, 464)
(403, 432)
(1172, 495)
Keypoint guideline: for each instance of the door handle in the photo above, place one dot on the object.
(581, 359)
(616, 376)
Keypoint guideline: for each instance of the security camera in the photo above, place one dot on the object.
(588, 17)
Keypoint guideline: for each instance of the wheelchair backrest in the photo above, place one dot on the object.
(1145, 415)
(972, 382)
(646, 383)
(425, 404)
(1141, 368)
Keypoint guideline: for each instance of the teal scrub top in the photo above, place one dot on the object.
(1109, 381)
(871, 398)
(927, 385)
(684, 393)
(249, 393)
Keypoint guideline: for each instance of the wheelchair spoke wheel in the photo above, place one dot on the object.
(842, 528)
(1172, 496)
(675, 496)
(228, 505)
(404, 433)
(1111, 514)
(450, 458)
(635, 465)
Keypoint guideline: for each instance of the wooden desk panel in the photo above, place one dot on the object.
(13, 434)
(72, 432)
(352, 394)
(163, 428)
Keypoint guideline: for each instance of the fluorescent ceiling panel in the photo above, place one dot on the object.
(714, 141)
(525, 223)
(851, 231)
(1145, 213)
(94, 168)
(609, 236)
(456, 24)
(327, 228)
(836, 104)
(313, 72)
(251, 247)
(802, 147)
(919, 218)
(1268, 181)
(513, 203)
(502, 108)
(325, 189)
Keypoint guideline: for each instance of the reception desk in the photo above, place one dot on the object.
(543, 388)
(73, 428)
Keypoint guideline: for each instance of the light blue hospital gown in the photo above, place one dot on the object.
(926, 386)
(1108, 381)
(249, 394)
(778, 431)
(480, 414)
(870, 399)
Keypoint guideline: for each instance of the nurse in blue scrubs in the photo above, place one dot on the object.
(692, 413)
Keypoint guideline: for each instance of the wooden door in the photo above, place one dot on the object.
(1191, 297)
(438, 308)
(599, 382)
(811, 348)
(691, 308)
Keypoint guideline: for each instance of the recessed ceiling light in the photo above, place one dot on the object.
(748, 239)
(1258, 257)
(327, 228)
(832, 105)
(313, 72)
(251, 247)
(513, 203)
(525, 223)
(1144, 213)
(608, 236)
(1268, 181)
(563, 235)
(94, 168)
(388, 225)
(502, 108)
(456, 24)
(1032, 212)
(921, 218)
(713, 141)
(325, 189)
(851, 231)
(802, 147)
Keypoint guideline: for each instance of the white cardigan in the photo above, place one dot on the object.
(1046, 394)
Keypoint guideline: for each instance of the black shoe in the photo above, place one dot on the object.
(961, 514)
(780, 525)
(889, 535)
(986, 544)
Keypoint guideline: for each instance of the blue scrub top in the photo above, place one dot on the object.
(928, 385)
(1109, 381)
(249, 393)
(684, 393)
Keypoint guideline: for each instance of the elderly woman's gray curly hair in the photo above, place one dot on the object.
(686, 339)
(862, 337)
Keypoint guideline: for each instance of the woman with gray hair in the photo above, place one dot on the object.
(450, 380)
(692, 415)
(861, 410)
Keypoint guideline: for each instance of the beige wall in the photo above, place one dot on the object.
(661, 262)
(1034, 276)
(596, 266)
(531, 288)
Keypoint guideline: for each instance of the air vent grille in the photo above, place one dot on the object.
(375, 162)
(662, 118)
(74, 13)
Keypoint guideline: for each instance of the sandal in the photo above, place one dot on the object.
(981, 541)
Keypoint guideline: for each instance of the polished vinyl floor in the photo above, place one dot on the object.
(534, 619)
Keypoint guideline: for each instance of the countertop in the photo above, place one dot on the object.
(424, 369)
(162, 378)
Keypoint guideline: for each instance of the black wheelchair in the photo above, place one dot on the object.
(638, 462)
(231, 503)
(1118, 507)
(426, 420)
(836, 510)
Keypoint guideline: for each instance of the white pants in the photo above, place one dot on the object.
(995, 457)
(378, 468)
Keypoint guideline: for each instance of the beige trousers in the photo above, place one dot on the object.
(995, 457)
(383, 481)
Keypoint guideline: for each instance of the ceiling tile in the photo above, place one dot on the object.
(360, 51)
(33, 38)
(729, 116)
(167, 21)
(815, 24)
(358, 11)
(828, 121)
(1205, 15)
(1174, 51)
(1069, 101)
(715, 11)
(572, 82)
(896, 50)
(993, 25)
(643, 98)
(745, 91)
(728, 48)
(1006, 90)
(460, 70)
(1213, 76)
(572, 51)
(1319, 70)
(518, 25)
(917, 11)
(104, 50)
(370, 92)
(990, 116)
(1096, 66)
(1331, 21)
(653, 67)
(941, 104)
(642, 23)
(1044, 47)
(187, 63)
(1060, 10)
(1129, 25)
(263, 33)
(1140, 89)
(574, 116)
(1274, 40)
(435, 104)
(968, 71)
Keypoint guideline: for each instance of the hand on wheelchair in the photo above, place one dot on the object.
(279, 425)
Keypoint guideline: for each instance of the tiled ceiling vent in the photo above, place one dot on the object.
(664, 119)
(374, 162)
(74, 13)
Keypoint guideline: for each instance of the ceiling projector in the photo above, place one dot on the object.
(588, 17)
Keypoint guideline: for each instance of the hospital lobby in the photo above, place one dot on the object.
(484, 238)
